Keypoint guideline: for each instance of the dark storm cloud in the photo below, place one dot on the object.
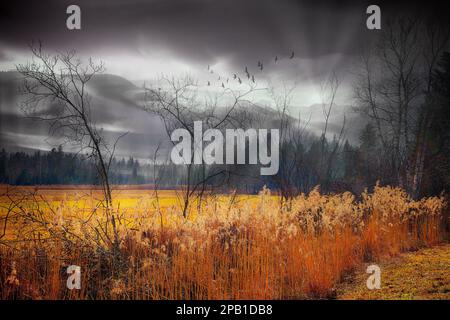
(198, 26)
(197, 30)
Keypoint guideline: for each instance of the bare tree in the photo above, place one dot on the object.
(178, 102)
(55, 91)
(329, 152)
(437, 40)
(391, 89)
(293, 138)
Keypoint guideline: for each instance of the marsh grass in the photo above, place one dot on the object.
(245, 247)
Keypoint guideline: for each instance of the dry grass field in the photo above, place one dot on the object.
(229, 247)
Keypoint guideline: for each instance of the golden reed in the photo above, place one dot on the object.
(230, 247)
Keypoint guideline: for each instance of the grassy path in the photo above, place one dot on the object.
(423, 274)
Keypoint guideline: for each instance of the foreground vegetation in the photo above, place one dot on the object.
(229, 247)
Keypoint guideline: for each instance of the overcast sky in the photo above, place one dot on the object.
(138, 40)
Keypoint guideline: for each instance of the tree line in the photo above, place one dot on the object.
(59, 167)
(354, 167)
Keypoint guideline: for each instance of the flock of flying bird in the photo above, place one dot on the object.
(250, 77)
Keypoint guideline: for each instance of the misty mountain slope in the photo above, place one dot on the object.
(116, 88)
(117, 108)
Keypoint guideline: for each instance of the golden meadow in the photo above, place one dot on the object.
(231, 246)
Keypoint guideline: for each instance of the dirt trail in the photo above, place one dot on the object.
(423, 274)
